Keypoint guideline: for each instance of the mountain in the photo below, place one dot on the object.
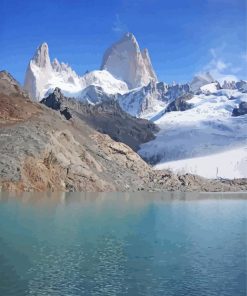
(149, 100)
(106, 117)
(197, 121)
(124, 67)
(42, 150)
(42, 77)
(125, 61)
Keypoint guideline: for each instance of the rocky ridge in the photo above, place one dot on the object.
(106, 117)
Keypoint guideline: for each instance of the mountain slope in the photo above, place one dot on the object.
(148, 101)
(106, 117)
(204, 139)
(42, 151)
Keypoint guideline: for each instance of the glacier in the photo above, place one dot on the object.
(204, 140)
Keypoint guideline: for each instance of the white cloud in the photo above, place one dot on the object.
(219, 69)
(118, 25)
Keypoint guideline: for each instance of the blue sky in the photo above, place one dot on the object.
(184, 37)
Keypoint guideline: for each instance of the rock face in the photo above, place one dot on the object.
(241, 110)
(38, 72)
(180, 104)
(125, 61)
(54, 100)
(57, 101)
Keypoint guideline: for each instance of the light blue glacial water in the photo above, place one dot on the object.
(123, 244)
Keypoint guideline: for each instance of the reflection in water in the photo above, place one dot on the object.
(123, 244)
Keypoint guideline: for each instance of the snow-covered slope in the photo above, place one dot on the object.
(204, 140)
(105, 80)
(228, 164)
(125, 61)
(210, 88)
(42, 77)
(149, 100)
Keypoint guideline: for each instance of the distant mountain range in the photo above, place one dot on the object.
(201, 125)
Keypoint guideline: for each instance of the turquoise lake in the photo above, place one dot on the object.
(123, 244)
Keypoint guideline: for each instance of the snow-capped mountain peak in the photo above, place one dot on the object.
(38, 72)
(42, 77)
(41, 57)
(125, 61)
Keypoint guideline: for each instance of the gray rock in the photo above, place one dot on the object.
(57, 101)
(180, 104)
(241, 86)
(241, 110)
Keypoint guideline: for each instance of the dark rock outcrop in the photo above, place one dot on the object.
(241, 110)
(180, 104)
(57, 101)
(241, 86)
(54, 100)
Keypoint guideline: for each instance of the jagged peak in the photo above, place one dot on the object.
(56, 65)
(41, 57)
(129, 36)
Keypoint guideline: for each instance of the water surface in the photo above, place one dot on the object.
(123, 244)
